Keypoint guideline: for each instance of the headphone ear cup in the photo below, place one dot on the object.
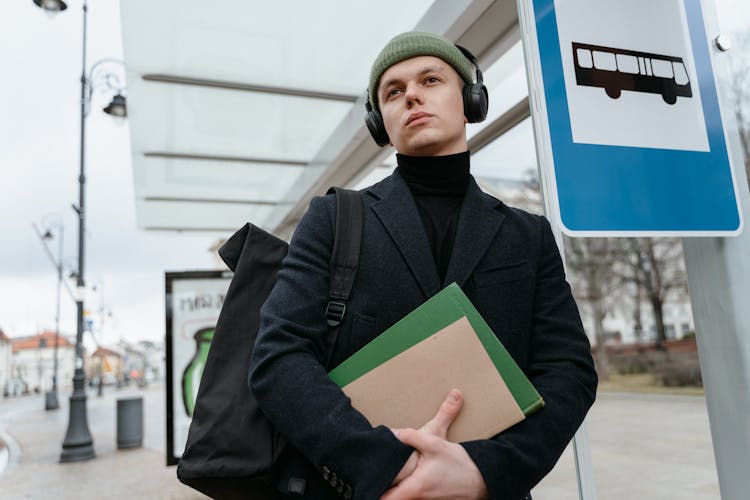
(476, 102)
(374, 122)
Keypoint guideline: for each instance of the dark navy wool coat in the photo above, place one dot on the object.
(507, 263)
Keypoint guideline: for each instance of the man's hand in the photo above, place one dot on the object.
(438, 426)
(444, 470)
(437, 468)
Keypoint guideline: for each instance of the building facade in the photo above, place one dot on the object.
(33, 363)
(105, 364)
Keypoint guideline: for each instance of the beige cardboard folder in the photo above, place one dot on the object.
(408, 389)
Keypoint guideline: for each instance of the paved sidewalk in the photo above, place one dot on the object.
(113, 474)
(643, 446)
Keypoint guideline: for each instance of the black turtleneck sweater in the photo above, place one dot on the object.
(438, 184)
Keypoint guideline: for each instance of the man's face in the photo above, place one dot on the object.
(422, 107)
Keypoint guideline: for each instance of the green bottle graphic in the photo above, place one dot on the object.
(191, 377)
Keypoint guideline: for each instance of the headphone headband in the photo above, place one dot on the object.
(473, 61)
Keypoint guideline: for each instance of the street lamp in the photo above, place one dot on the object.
(78, 444)
(99, 77)
(51, 402)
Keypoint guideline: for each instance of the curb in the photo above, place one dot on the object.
(10, 452)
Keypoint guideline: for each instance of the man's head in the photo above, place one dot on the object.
(416, 93)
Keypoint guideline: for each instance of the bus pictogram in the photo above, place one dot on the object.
(616, 70)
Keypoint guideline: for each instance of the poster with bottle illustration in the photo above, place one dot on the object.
(193, 303)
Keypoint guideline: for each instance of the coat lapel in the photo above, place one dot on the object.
(399, 214)
(478, 224)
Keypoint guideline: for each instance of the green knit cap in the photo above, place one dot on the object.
(413, 44)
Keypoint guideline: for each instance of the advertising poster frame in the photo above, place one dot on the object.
(205, 302)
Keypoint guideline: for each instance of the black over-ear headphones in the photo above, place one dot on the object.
(475, 104)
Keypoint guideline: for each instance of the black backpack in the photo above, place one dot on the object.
(231, 447)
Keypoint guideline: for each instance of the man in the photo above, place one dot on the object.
(425, 226)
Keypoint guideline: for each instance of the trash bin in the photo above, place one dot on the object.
(50, 400)
(129, 423)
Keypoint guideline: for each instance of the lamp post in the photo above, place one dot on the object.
(51, 402)
(78, 444)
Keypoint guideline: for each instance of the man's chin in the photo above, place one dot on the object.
(434, 149)
(422, 146)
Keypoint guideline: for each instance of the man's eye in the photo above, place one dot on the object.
(432, 79)
(393, 92)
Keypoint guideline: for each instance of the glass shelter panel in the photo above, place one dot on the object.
(206, 180)
(209, 121)
(325, 45)
(237, 84)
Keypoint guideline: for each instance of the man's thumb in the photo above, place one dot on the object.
(445, 416)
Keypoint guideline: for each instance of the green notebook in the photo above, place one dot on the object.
(440, 311)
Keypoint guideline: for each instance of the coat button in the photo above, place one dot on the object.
(347, 492)
(340, 487)
(326, 472)
(332, 479)
(297, 485)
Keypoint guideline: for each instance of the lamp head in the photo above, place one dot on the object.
(117, 107)
(51, 5)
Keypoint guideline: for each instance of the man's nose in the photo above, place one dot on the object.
(413, 95)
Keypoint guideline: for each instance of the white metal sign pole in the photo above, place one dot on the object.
(719, 279)
(581, 450)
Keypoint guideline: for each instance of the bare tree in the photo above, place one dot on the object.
(590, 262)
(655, 267)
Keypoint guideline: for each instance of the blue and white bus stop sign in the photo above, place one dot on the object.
(629, 131)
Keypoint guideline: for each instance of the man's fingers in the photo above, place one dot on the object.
(418, 439)
(445, 416)
(401, 492)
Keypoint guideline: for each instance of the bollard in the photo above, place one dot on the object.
(129, 423)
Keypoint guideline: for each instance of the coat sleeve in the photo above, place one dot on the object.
(290, 382)
(561, 369)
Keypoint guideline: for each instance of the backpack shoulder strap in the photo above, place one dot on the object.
(344, 258)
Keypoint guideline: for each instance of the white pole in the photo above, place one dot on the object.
(719, 279)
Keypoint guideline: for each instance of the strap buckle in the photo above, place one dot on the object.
(335, 312)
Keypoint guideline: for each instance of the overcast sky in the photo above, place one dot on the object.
(39, 134)
(39, 161)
